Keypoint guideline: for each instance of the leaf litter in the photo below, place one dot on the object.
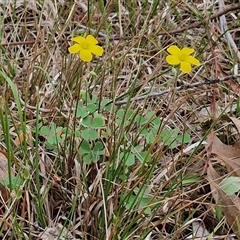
(225, 184)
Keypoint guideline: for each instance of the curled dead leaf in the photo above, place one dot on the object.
(236, 123)
(230, 204)
(228, 155)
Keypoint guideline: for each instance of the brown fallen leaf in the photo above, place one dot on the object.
(237, 145)
(232, 84)
(213, 178)
(57, 232)
(228, 155)
(236, 123)
(230, 205)
(20, 138)
(4, 175)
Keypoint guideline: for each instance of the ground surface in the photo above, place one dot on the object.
(125, 146)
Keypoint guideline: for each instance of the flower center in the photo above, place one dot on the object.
(85, 45)
(182, 57)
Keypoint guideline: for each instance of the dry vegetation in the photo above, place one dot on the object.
(165, 139)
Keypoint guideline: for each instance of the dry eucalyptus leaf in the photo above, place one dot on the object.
(230, 205)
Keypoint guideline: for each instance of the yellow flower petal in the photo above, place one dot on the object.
(91, 40)
(174, 50)
(85, 55)
(185, 67)
(187, 51)
(97, 50)
(193, 60)
(74, 48)
(173, 60)
(79, 39)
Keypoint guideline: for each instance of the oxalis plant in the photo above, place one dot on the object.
(91, 121)
(98, 134)
(92, 131)
(90, 116)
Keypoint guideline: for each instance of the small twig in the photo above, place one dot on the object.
(180, 88)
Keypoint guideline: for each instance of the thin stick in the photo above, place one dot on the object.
(180, 88)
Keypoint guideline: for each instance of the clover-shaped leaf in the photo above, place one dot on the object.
(89, 134)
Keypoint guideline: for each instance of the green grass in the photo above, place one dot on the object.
(81, 161)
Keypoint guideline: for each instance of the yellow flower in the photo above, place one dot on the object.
(86, 47)
(182, 57)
